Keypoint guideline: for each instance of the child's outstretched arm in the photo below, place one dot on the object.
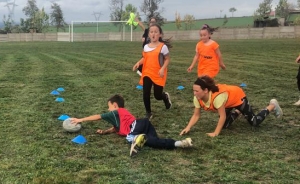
(192, 121)
(89, 118)
(194, 62)
(140, 23)
(222, 114)
(108, 131)
(221, 63)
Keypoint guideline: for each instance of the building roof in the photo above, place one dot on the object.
(292, 17)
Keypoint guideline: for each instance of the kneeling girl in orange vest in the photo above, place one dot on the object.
(228, 101)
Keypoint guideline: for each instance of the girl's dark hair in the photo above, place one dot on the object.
(209, 29)
(117, 99)
(207, 82)
(167, 42)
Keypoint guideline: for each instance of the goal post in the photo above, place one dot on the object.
(98, 28)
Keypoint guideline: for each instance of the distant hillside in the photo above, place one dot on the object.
(217, 22)
(1, 25)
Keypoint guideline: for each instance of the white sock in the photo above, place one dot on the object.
(178, 144)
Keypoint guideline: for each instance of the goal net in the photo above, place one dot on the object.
(100, 31)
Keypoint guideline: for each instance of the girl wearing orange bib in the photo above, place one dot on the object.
(155, 62)
(207, 55)
(228, 101)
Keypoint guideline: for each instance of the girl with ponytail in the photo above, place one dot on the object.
(229, 101)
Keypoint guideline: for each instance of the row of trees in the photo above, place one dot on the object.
(149, 8)
(283, 9)
(37, 19)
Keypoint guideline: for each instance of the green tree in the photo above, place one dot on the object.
(117, 10)
(42, 21)
(283, 8)
(225, 20)
(57, 17)
(264, 9)
(189, 21)
(151, 9)
(177, 20)
(232, 10)
(24, 25)
(8, 24)
(30, 11)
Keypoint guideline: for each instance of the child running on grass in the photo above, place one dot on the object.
(137, 131)
(155, 61)
(224, 99)
(298, 79)
(208, 54)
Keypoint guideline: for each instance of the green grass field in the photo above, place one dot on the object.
(35, 149)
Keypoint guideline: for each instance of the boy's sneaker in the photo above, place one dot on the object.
(297, 103)
(186, 143)
(149, 115)
(168, 102)
(137, 144)
(277, 109)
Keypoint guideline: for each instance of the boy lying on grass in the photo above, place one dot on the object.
(137, 131)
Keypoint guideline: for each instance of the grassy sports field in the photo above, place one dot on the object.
(35, 149)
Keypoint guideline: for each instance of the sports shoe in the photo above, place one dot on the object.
(137, 144)
(297, 103)
(149, 115)
(277, 109)
(186, 143)
(168, 102)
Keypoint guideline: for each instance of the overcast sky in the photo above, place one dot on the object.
(82, 10)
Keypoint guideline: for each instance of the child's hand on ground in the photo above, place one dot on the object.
(75, 121)
(212, 134)
(99, 131)
(184, 131)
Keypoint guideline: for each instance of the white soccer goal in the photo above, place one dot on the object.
(100, 31)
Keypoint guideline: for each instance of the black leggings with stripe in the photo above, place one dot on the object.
(158, 93)
(247, 111)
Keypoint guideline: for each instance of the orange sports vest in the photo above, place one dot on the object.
(151, 66)
(235, 96)
(208, 59)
